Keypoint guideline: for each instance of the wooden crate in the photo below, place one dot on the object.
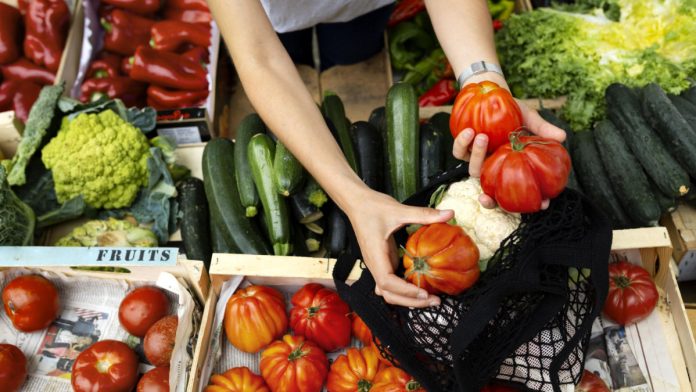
(681, 225)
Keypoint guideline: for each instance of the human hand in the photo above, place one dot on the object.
(473, 149)
(375, 218)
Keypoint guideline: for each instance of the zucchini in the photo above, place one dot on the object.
(336, 232)
(316, 226)
(666, 203)
(299, 241)
(441, 121)
(261, 151)
(402, 139)
(250, 126)
(624, 109)
(220, 243)
(686, 109)
(432, 153)
(223, 199)
(690, 94)
(288, 173)
(332, 107)
(312, 240)
(313, 192)
(549, 116)
(594, 181)
(671, 126)
(195, 219)
(378, 120)
(627, 177)
(303, 210)
(368, 147)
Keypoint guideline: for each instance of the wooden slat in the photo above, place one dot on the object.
(682, 323)
(200, 352)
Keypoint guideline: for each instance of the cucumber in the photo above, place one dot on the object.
(332, 107)
(432, 152)
(690, 94)
(378, 120)
(336, 232)
(549, 116)
(676, 134)
(250, 126)
(402, 139)
(624, 110)
(594, 181)
(686, 109)
(223, 199)
(261, 151)
(368, 147)
(627, 177)
(441, 121)
(666, 203)
(195, 219)
(288, 173)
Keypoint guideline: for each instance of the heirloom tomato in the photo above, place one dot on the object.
(524, 172)
(321, 316)
(156, 380)
(441, 258)
(31, 302)
(106, 366)
(591, 382)
(239, 379)
(361, 330)
(632, 293)
(160, 340)
(393, 379)
(142, 308)
(13, 368)
(486, 108)
(254, 317)
(294, 365)
(355, 370)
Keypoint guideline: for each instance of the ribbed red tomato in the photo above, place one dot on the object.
(294, 365)
(160, 340)
(254, 317)
(524, 172)
(486, 108)
(355, 370)
(321, 316)
(142, 308)
(441, 258)
(31, 302)
(394, 379)
(156, 380)
(239, 379)
(108, 365)
(591, 382)
(361, 331)
(632, 293)
(13, 367)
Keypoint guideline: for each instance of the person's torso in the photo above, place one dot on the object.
(293, 15)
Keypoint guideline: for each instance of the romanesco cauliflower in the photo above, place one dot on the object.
(109, 233)
(486, 227)
(99, 156)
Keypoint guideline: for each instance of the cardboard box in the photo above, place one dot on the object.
(681, 225)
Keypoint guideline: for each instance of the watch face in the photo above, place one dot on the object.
(478, 67)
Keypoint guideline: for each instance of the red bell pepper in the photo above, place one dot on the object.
(127, 65)
(442, 93)
(125, 31)
(141, 7)
(46, 23)
(165, 99)
(10, 33)
(405, 10)
(7, 90)
(171, 35)
(200, 5)
(198, 54)
(23, 6)
(24, 69)
(188, 16)
(24, 97)
(106, 65)
(131, 92)
(497, 24)
(167, 69)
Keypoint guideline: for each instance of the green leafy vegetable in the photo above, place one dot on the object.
(17, 220)
(168, 147)
(72, 209)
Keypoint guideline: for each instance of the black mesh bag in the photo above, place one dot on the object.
(525, 323)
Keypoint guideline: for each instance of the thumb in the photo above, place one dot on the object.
(424, 216)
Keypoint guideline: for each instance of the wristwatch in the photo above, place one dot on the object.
(476, 68)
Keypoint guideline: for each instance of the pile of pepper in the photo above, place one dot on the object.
(32, 39)
(415, 51)
(153, 54)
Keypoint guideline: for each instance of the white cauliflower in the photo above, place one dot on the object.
(486, 227)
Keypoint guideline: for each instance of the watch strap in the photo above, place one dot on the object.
(476, 68)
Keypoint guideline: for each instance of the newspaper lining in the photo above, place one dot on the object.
(89, 313)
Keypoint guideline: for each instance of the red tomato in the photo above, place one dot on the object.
(31, 302)
(13, 368)
(522, 173)
(294, 365)
(393, 379)
(239, 379)
(441, 258)
(361, 330)
(106, 366)
(156, 380)
(254, 317)
(486, 108)
(141, 308)
(321, 316)
(591, 382)
(632, 293)
(355, 370)
(160, 340)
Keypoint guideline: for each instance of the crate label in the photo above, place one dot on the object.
(36, 256)
(182, 135)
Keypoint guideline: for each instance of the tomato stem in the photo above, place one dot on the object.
(364, 385)
(622, 281)
(413, 385)
(296, 353)
(312, 311)
(517, 144)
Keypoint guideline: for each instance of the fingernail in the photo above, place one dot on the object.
(422, 295)
(481, 140)
(434, 303)
(468, 133)
(444, 213)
